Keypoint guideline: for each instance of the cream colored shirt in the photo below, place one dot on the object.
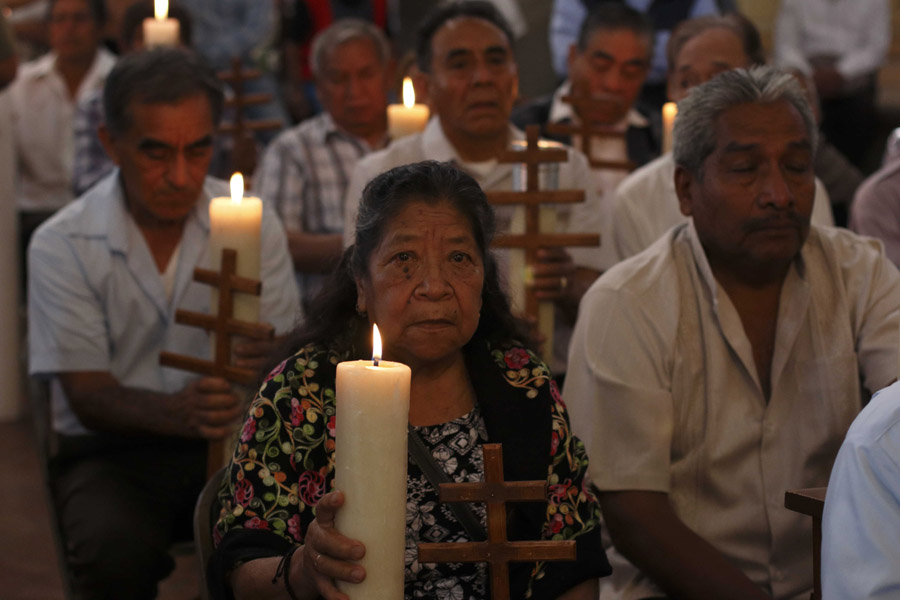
(663, 390)
(645, 206)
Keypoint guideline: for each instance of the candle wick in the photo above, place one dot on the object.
(376, 360)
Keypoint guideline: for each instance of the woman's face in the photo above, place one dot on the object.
(423, 286)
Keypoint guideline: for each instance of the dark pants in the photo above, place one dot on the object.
(29, 221)
(849, 123)
(122, 503)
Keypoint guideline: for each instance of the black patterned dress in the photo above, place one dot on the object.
(283, 464)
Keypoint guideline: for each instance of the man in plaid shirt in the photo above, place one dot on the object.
(305, 171)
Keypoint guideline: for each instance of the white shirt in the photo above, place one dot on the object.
(97, 301)
(43, 129)
(604, 181)
(857, 32)
(645, 206)
(432, 144)
(861, 523)
(663, 390)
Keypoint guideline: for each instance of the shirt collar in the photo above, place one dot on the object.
(561, 111)
(326, 128)
(436, 146)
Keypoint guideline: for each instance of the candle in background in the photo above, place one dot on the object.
(669, 112)
(372, 398)
(160, 31)
(235, 223)
(409, 117)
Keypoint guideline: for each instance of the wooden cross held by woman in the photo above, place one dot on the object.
(223, 326)
(496, 551)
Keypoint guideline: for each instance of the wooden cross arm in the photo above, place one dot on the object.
(249, 100)
(536, 198)
(259, 125)
(205, 367)
(613, 165)
(567, 129)
(496, 552)
(236, 282)
(256, 331)
(547, 240)
(230, 76)
(503, 491)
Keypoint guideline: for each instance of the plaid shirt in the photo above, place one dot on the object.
(91, 162)
(303, 174)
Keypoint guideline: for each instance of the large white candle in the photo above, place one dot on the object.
(372, 399)
(409, 117)
(235, 223)
(669, 112)
(160, 31)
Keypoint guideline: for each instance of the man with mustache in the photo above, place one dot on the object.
(467, 69)
(608, 64)
(724, 364)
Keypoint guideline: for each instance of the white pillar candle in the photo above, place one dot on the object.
(235, 223)
(669, 112)
(372, 398)
(409, 117)
(160, 31)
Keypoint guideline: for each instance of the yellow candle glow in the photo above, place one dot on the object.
(669, 112)
(160, 31)
(236, 223)
(409, 117)
(372, 398)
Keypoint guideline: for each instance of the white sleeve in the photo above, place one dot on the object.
(873, 40)
(787, 47)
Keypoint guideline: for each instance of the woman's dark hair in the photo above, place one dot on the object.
(331, 317)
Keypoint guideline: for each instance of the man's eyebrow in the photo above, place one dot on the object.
(457, 52)
(497, 50)
(153, 144)
(206, 140)
(737, 147)
(803, 144)
(601, 54)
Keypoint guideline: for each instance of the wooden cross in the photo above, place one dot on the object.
(496, 551)
(241, 129)
(223, 326)
(587, 133)
(533, 197)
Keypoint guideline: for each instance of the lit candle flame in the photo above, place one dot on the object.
(376, 345)
(161, 9)
(409, 93)
(237, 188)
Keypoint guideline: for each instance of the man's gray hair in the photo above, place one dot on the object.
(695, 131)
(341, 32)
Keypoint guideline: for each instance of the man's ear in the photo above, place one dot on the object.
(107, 141)
(684, 184)
(421, 85)
(571, 57)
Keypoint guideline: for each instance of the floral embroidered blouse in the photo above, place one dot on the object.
(283, 464)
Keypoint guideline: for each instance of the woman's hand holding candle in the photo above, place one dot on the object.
(326, 555)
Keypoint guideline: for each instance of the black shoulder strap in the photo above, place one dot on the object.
(435, 474)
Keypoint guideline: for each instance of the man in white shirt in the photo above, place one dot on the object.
(464, 54)
(106, 276)
(861, 522)
(724, 364)
(608, 64)
(840, 44)
(43, 99)
(644, 205)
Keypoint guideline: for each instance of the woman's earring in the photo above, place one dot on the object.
(361, 313)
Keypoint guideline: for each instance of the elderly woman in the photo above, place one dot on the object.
(421, 269)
